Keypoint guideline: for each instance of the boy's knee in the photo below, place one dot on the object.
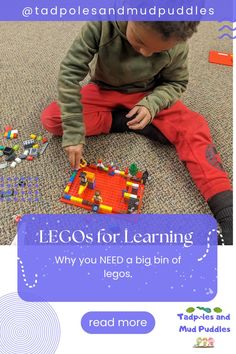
(51, 119)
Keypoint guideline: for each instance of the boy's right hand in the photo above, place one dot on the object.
(74, 154)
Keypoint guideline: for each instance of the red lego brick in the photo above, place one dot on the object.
(221, 58)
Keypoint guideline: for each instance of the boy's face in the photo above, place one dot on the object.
(147, 41)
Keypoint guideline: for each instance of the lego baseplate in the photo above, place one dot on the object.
(105, 189)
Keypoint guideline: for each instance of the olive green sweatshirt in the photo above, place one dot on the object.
(118, 67)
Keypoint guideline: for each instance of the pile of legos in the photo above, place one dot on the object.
(32, 148)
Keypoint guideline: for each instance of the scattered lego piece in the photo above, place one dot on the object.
(33, 152)
(11, 134)
(26, 152)
(13, 164)
(2, 147)
(8, 128)
(3, 165)
(44, 140)
(220, 58)
(36, 146)
(22, 183)
(8, 151)
(43, 148)
(29, 158)
(39, 138)
(28, 143)
(18, 160)
(11, 157)
(16, 147)
(6, 194)
(83, 162)
(17, 218)
(33, 136)
(22, 156)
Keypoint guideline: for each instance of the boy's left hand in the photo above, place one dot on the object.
(142, 117)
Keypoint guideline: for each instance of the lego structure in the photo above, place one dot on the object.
(105, 189)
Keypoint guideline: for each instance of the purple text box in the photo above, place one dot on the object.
(117, 10)
(117, 257)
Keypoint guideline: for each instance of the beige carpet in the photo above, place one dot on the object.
(30, 54)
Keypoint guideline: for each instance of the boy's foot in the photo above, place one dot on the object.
(119, 125)
(221, 206)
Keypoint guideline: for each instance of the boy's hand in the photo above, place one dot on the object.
(74, 154)
(142, 117)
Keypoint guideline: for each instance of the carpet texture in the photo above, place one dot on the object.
(30, 54)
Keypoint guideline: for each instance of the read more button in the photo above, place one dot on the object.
(118, 322)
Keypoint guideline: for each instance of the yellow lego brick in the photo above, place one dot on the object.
(82, 189)
(90, 175)
(66, 190)
(105, 208)
(128, 183)
(76, 199)
(36, 146)
(129, 195)
(33, 136)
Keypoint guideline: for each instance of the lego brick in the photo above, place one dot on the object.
(66, 190)
(13, 164)
(87, 202)
(33, 152)
(7, 194)
(76, 199)
(106, 208)
(16, 147)
(3, 165)
(18, 160)
(26, 152)
(91, 185)
(39, 138)
(8, 151)
(2, 147)
(22, 156)
(43, 148)
(22, 183)
(29, 158)
(11, 157)
(33, 136)
(28, 143)
(35, 146)
(8, 128)
(44, 140)
(220, 58)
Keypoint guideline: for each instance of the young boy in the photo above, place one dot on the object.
(140, 74)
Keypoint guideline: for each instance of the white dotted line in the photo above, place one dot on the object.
(208, 243)
(24, 276)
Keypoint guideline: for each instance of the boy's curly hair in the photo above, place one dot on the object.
(181, 30)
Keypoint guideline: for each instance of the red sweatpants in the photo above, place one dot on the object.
(187, 130)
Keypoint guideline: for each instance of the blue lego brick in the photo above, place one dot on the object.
(66, 196)
(72, 177)
(91, 185)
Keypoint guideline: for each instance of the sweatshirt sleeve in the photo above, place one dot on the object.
(173, 82)
(73, 70)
